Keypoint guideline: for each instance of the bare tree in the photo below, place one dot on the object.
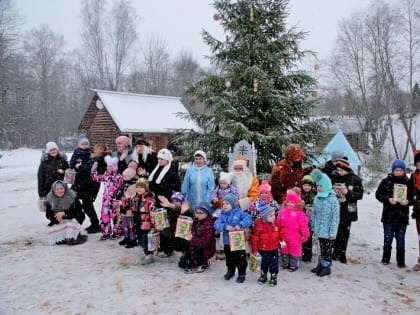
(185, 70)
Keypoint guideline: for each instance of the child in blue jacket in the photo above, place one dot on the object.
(232, 219)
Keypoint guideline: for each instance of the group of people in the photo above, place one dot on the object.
(299, 211)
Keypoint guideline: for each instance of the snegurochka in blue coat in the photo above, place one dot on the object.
(198, 182)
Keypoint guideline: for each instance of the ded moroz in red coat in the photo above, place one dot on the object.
(265, 236)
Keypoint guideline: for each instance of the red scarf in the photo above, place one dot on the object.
(417, 179)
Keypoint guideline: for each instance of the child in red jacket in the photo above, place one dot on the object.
(294, 224)
(265, 238)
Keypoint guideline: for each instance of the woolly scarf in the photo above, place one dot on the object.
(146, 152)
(61, 204)
(162, 173)
(417, 179)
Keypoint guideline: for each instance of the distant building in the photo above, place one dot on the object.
(152, 117)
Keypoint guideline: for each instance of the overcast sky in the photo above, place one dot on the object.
(180, 22)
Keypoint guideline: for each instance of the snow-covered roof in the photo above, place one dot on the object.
(144, 113)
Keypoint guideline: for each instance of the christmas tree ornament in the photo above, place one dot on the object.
(295, 50)
(192, 102)
(282, 61)
(255, 85)
(216, 17)
(228, 83)
(314, 93)
(316, 66)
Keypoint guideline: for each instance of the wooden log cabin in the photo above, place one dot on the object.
(152, 117)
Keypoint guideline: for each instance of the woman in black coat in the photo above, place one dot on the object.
(163, 181)
(145, 158)
(65, 213)
(87, 189)
(52, 167)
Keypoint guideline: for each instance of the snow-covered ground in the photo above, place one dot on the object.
(101, 277)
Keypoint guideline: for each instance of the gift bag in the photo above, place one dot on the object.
(153, 241)
(161, 219)
(399, 193)
(352, 211)
(41, 204)
(69, 176)
(255, 262)
(183, 227)
(237, 240)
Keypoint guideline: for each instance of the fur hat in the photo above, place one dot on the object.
(398, 164)
(264, 187)
(128, 174)
(343, 164)
(337, 155)
(142, 142)
(82, 139)
(202, 154)
(323, 180)
(416, 156)
(231, 199)
(240, 160)
(265, 210)
(51, 145)
(294, 152)
(292, 197)
(226, 177)
(177, 195)
(123, 139)
(165, 154)
(307, 179)
(143, 182)
(111, 161)
(205, 207)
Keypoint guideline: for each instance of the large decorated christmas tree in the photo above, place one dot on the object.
(259, 93)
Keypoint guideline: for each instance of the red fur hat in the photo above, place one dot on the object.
(294, 152)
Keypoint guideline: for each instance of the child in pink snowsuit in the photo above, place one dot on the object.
(294, 224)
(112, 182)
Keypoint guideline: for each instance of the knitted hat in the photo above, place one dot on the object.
(165, 154)
(51, 145)
(292, 197)
(123, 139)
(343, 164)
(226, 177)
(129, 173)
(111, 161)
(337, 155)
(416, 156)
(58, 183)
(307, 179)
(264, 187)
(205, 207)
(142, 142)
(202, 154)
(178, 196)
(240, 160)
(265, 210)
(323, 180)
(83, 139)
(143, 182)
(294, 152)
(231, 199)
(398, 164)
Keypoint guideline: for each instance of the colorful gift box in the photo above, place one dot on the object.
(183, 227)
(69, 176)
(153, 241)
(237, 240)
(255, 262)
(399, 193)
(161, 219)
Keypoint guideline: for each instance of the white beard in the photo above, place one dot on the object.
(242, 181)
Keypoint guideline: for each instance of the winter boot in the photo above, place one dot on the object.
(263, 278)
(273, 280)
(240, 279)
(148, 259)
(386, 256)
(401, 258)
(325, 271)
(220, 255)
(131, 244)
(123, 242)
(316, 269)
